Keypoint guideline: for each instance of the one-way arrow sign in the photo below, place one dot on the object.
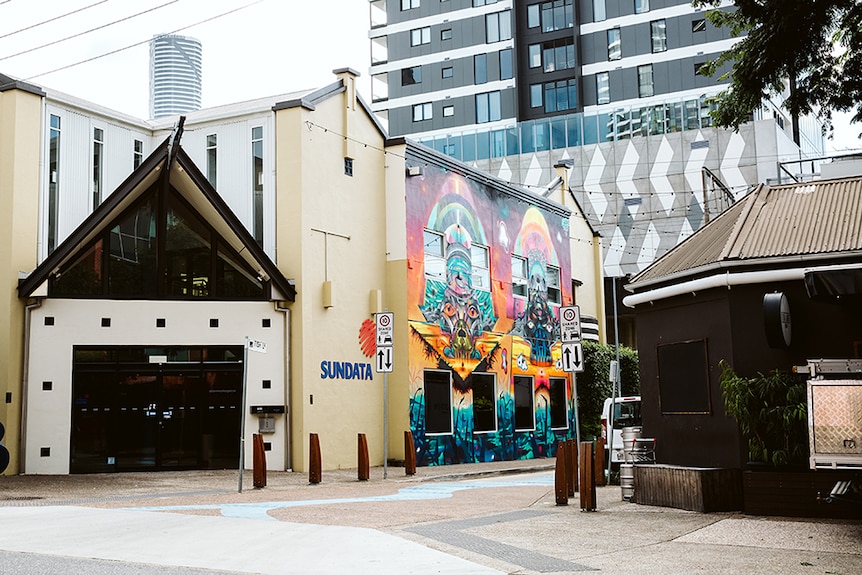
(573, 357)
(384, 359)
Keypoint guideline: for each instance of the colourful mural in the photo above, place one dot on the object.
(506, 396)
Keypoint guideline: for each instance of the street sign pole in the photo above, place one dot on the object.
(383, 356)
(242, 413)
(385, 425)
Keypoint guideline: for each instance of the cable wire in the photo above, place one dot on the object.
(43, 22)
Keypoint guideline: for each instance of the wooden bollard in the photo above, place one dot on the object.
(362, 456)
(571, 468)
(560, 484)
(600, 461)
(259, 461)
(314, 463)
(587, 477)
(573, 463)
(409, 454)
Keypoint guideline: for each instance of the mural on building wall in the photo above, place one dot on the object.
(485, 382)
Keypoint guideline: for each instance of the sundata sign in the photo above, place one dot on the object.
(345, 370)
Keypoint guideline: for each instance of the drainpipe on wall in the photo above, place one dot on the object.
(25, 377)
(288, 463)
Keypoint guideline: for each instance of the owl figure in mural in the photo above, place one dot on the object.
(537, 324)
(459, 313)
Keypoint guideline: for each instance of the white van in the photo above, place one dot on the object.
(627, 413)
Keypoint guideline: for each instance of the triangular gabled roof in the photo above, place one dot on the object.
(170, 166)
(804, 223)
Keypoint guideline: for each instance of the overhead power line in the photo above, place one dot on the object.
(89, 31)
(127, 47)
(43, 22)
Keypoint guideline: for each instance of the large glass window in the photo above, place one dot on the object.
(557, 15)
(536, 96)
(438, 402)
(498, 26)
(410, 76)
(645, 81)
(533, 19)
(559, 54)
(188, 243)
(525, 415)
(561, 95)
(534, 55)
(559, 405)
(484, 402)
(615, 51)
(98, 164)
(53, 180)
(422, 112)
(133, 250)
(506, 66)
(488, 107)
(603, 88)
(658, 30)
(599, 11)
(212, 158)
(480, 68)
(420, 36)
(641, 6)
(257, 183)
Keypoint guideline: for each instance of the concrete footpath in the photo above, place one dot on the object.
(463, 519)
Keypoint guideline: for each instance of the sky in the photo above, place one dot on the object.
(251, 48)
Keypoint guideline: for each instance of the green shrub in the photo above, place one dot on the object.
(594, 384)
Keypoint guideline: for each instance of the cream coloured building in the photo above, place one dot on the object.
(144, 255)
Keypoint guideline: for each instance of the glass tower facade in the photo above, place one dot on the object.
(175, 75)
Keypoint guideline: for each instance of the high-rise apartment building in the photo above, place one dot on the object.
(175, 75)
(610, 88)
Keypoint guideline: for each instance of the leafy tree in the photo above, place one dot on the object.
(817, 46)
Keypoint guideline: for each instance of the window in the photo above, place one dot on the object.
(559, 406)
(257, 182)
(348, 167)
(481, 271)
(533, 16)
(498, 26)
(480, 68)
(559, 54)
(447, 72)
(483, 2)
(212, 158)
(411, 76)
(534, 55)
(659, 35)
(536, 99)
(645, 82)
(683, 377)
(422, 112)
(599, 11)
(98, 162)
(435, 262)
(557, 15)
(561, 95)
(420, 36)
(438, 402)
(525, 417)
(448, 111)
(698, 25)
(484, 402)
(446, 34)
(553, 275)
(520, 278)
(53, 180)
(488, 107)
(641, 6)
(408, 4)
(698, 68)
(603, 88)
(138, 153)
(615, 51)
(506, 66)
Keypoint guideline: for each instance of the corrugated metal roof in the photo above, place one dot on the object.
(803, 220)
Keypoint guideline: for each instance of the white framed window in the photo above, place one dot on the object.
(603, 88)
(419, 36)
(498, 26)
(53, 181)
(257, 182)
(645, 81)
(435, 261)
(438, 402)
(553, 275)
(138, 153)
(658, 30)
(409, 4)
(422, 112)
(559, 405)
(98, 164)
(480, 260)
(520, 276)
(212, 158)
(525, 413)
(484, 386)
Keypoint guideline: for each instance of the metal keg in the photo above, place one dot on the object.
(629, 436)
(627, 480)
